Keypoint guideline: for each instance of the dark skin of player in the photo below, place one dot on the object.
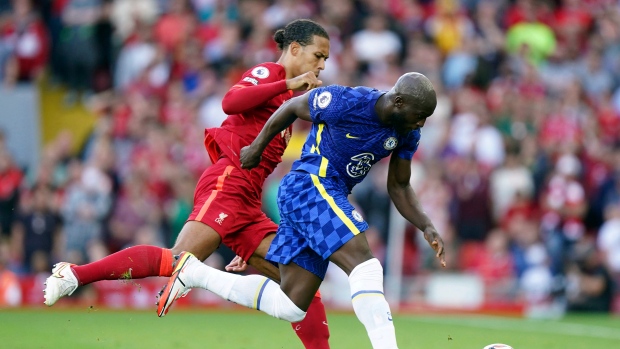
(397, 108)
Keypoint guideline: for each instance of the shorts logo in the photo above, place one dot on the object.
(360, 165)
(390, 143)
(357, 216)
(250, 80)
(260, 72)
(219, 220)
(324, 99)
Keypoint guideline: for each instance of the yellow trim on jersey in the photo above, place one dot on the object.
(330, 200)
(323, 168)
(318, 138)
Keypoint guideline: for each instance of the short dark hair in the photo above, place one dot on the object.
(301, 31)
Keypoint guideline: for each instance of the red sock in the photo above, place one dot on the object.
(135, 262)
(313, 330)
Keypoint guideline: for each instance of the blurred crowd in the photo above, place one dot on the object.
(519, 167)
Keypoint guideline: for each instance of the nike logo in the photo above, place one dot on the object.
(352, 137)
(56, 274)
(389, 316)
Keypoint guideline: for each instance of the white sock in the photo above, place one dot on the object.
(371, 308)
(252, 291)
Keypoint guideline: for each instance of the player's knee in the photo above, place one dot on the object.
(293, 317)
(370, 271)
(287, 310)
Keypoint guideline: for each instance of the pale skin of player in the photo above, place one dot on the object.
(302, 65)
(394, 109)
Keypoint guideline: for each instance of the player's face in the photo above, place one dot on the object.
(407, 116)
(312, 57)
(406, 120)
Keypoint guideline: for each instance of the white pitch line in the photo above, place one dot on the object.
(529, 326)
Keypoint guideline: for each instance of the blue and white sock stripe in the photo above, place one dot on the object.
(366, 293)
(259, 294)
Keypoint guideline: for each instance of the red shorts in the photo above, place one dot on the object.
(225, 201)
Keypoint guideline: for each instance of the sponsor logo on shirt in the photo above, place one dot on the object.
(360, 164)
(250, 80)
(260, 72)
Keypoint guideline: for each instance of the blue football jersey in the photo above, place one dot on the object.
(347, 137)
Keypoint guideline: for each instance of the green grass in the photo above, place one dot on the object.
(91, 328)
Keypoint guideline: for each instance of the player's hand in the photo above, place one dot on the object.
(303, 82)
(249, 157)
(237, 265)
(436, 243)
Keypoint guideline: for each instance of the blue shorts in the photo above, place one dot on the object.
(316, 219)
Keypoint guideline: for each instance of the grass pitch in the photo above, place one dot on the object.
(92, 328)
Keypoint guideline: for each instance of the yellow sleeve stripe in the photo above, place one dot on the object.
(330, 200)
(323, 168)
(318, 137)
(259, 294)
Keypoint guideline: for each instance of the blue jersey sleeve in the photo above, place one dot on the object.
(409, 145)
(324, 103)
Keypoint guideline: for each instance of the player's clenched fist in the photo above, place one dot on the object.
(306, 81)
(249, 158)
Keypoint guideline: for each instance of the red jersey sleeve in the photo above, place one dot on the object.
(257, 86)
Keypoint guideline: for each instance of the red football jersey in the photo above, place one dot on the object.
(250, 103)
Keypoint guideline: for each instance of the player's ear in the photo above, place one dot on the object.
(294, 48)
(398, 102)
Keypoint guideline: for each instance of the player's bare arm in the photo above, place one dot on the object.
(406, 201)
(279, 121)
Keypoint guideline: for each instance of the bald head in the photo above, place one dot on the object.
(407, 105)
(417, 90)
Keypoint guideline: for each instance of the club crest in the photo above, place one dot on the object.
(357, 216)
(390, 143)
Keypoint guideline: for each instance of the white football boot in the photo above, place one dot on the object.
(61, 283)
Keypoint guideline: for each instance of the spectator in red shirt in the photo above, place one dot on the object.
(175, 26)
(10, 180)
(28, 40)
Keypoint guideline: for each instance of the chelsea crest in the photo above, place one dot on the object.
(390, 143)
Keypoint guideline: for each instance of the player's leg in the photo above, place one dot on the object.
(313, 330)
(336, 232)
(366, 282)
(142, 261)
(253, 291)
